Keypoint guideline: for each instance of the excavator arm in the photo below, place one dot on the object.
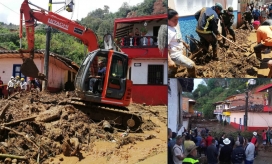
(87, 36)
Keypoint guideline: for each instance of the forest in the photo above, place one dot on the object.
(101, 21)
(213, 90)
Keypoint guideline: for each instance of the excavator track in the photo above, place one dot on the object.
(117, 116)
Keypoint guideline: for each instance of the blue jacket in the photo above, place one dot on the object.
(256, 13)
(207, 21)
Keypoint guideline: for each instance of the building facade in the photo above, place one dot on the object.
(137, 37)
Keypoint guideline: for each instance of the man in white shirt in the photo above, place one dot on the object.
(178, 153)
(249, 152)
(23, 85)
(175, 46)
(10, 86)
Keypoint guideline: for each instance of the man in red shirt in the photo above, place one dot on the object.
(209, 140)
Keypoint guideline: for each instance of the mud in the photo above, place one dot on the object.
(233, 61)
(35, 126)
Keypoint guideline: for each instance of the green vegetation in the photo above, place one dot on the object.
(100, 21)
(218, 90)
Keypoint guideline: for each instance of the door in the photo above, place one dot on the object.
(116, 85)
(240, 123)
(17, 71)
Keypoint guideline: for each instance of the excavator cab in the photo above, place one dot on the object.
(102, 78)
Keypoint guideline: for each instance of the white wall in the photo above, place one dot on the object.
(6, 67)
(254, 119)
(185, 124)
(139, 74)
(173, 107)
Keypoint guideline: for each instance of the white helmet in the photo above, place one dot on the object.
(255, 133)
(12, 77)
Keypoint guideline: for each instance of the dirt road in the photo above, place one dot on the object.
(64, 134)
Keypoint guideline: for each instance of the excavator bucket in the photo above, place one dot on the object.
(29, 68)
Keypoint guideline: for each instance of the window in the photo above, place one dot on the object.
(234, 120)
(17, 71)
(155, 74)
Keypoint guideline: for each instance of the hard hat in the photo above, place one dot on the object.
(219, 5)
(230, 9)
(22, 79)
(12, 77)
(254, 133)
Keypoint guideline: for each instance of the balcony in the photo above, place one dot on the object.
(138, 42)
(218, 111)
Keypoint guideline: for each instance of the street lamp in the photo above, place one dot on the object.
(249, 82)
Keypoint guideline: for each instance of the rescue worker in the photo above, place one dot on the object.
(10, 86)
(264, 34)
(247, 18)
(207, 27)
(227, 19)
(17, 84)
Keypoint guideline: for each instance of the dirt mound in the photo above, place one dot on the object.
(35, 126)
(233, 61)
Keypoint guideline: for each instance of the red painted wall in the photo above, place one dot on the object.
(150, 94)
(236, 126)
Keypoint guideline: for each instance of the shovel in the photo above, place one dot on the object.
(234, 43)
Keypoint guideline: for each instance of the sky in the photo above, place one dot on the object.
(196, 82)
(10, 9)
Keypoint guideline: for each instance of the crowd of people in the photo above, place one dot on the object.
(192, 145)
(18, 84)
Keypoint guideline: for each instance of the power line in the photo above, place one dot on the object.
(9, 8)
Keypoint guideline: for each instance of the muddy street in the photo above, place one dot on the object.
(41, 128)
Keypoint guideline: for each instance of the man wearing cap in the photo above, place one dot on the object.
(191, 155)
(225, 152)
(10, 86)
(227, 19)
(247, 18)
(264, 14)
(207, 27)
(178, 153)
(254, 140)
(264, 40)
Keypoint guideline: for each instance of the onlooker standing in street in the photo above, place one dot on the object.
(170, 156)
(212, 153)
(188, 142)
(225, 152)
(221, 143)
(238, 154)
(241, 139)
(178, 153)
(198, 142)
(264, 137)
(249, 152)
(269, 135)
(191, 155)
(254, 140)
(10, 86)
(209, 139)
(1, 88)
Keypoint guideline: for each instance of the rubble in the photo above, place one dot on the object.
(35, 127)
(234, 61)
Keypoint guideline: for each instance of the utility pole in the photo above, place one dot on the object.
(246, 110)
(47, 51)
